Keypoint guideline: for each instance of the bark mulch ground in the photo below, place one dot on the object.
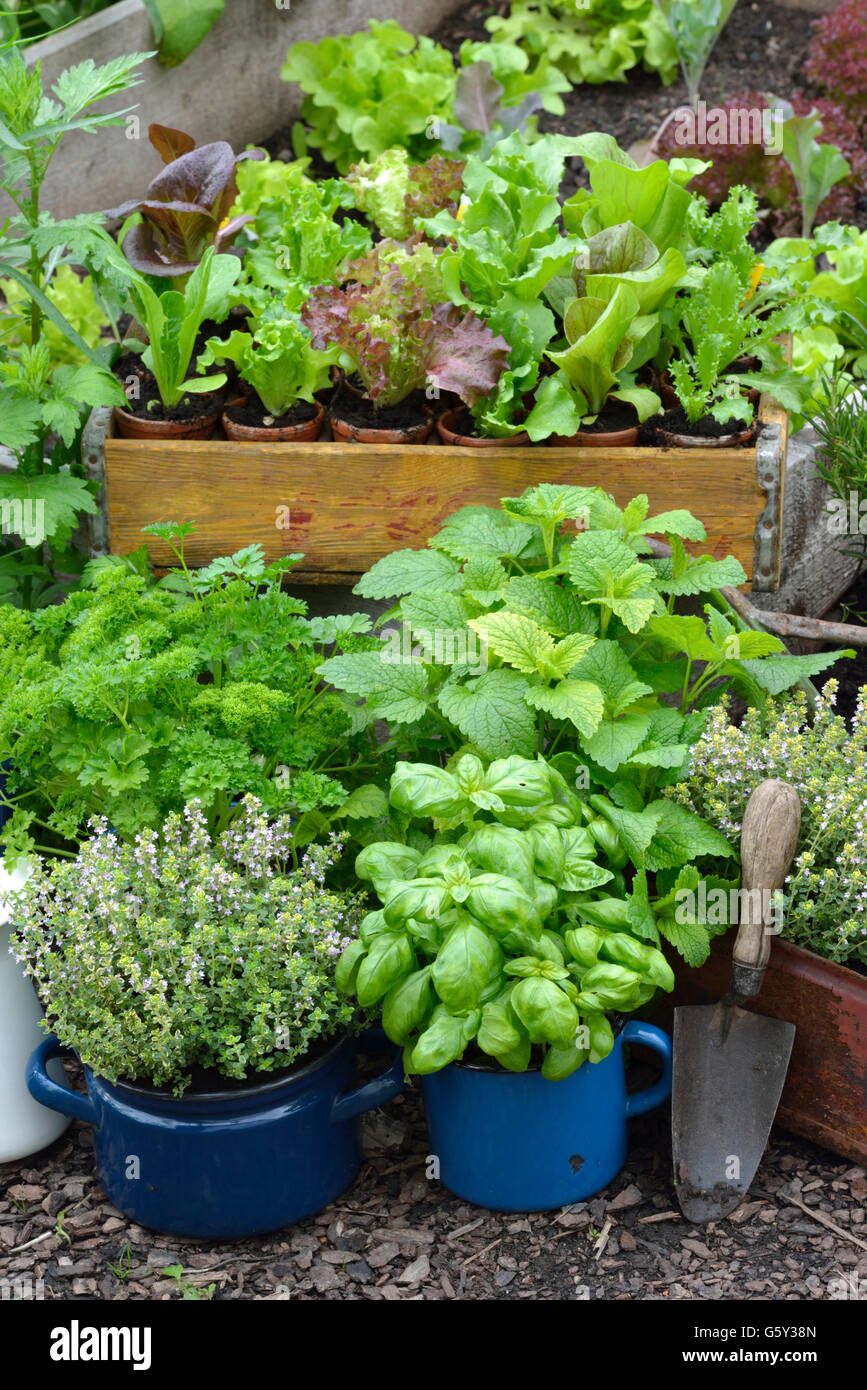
(397, 1235)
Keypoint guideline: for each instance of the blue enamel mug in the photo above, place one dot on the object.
(514, 1141)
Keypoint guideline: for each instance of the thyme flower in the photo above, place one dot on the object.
(184, 951)
(826, 891)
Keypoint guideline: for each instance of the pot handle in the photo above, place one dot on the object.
(650, 1036)
(376, 1092)
(48, 1092)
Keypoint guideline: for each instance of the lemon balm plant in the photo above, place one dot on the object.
(581, 631)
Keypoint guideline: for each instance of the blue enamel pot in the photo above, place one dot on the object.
(229, 1163)
(514, 1141)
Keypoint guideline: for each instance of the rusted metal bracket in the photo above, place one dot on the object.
(770, 472)
(93, 461)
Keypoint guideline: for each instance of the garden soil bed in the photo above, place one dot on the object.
(676, 422)
(361, 412)
(762, 47)
(147, 403)
(254, 415)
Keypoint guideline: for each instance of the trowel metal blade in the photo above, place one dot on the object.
(729, 1070)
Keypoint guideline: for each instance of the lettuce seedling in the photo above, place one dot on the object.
(173, 319)
(391, 323)
(496, 95)
(695, 27)
(298, 242)
(601, 339)
(624, 255)
(714, 330)
(504, 253)
(367, 91)
(186, 207)
(653, 199)
(815, 168)
(260, 180)
(595, 41)
(394, 193)
(378, 88)
(277, 360)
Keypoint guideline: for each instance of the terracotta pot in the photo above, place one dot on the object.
(445, 427)
(694, 441)
(304, 433)
(362, 434)
(666, 392)
(609, 439)
(136, 427)
(825, 1097)
(669, 397)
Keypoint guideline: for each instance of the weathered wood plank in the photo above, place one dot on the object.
(347, 505)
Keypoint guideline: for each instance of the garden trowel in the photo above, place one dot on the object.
(729, 1064)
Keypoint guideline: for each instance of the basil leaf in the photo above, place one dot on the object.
(347, 967)
(407, 1005)
(389, 958)
(467, 962)
(544, 1010)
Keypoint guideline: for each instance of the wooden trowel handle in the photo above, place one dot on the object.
(769, 836)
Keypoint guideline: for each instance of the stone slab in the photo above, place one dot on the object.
(814, 569)
(229, 88)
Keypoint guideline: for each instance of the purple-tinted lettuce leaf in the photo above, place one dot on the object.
(433, 186)
(399, 343)
(171, 241)
(464, 355)
(170, 143)
(477, 97)
(184, 207)
(385, 328)
(229, 230)
(197, 177)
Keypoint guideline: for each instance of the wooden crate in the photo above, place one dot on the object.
(346, 505)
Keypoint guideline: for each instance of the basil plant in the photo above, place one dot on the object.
(493, 931)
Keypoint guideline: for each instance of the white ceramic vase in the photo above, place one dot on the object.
(25, 1125)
